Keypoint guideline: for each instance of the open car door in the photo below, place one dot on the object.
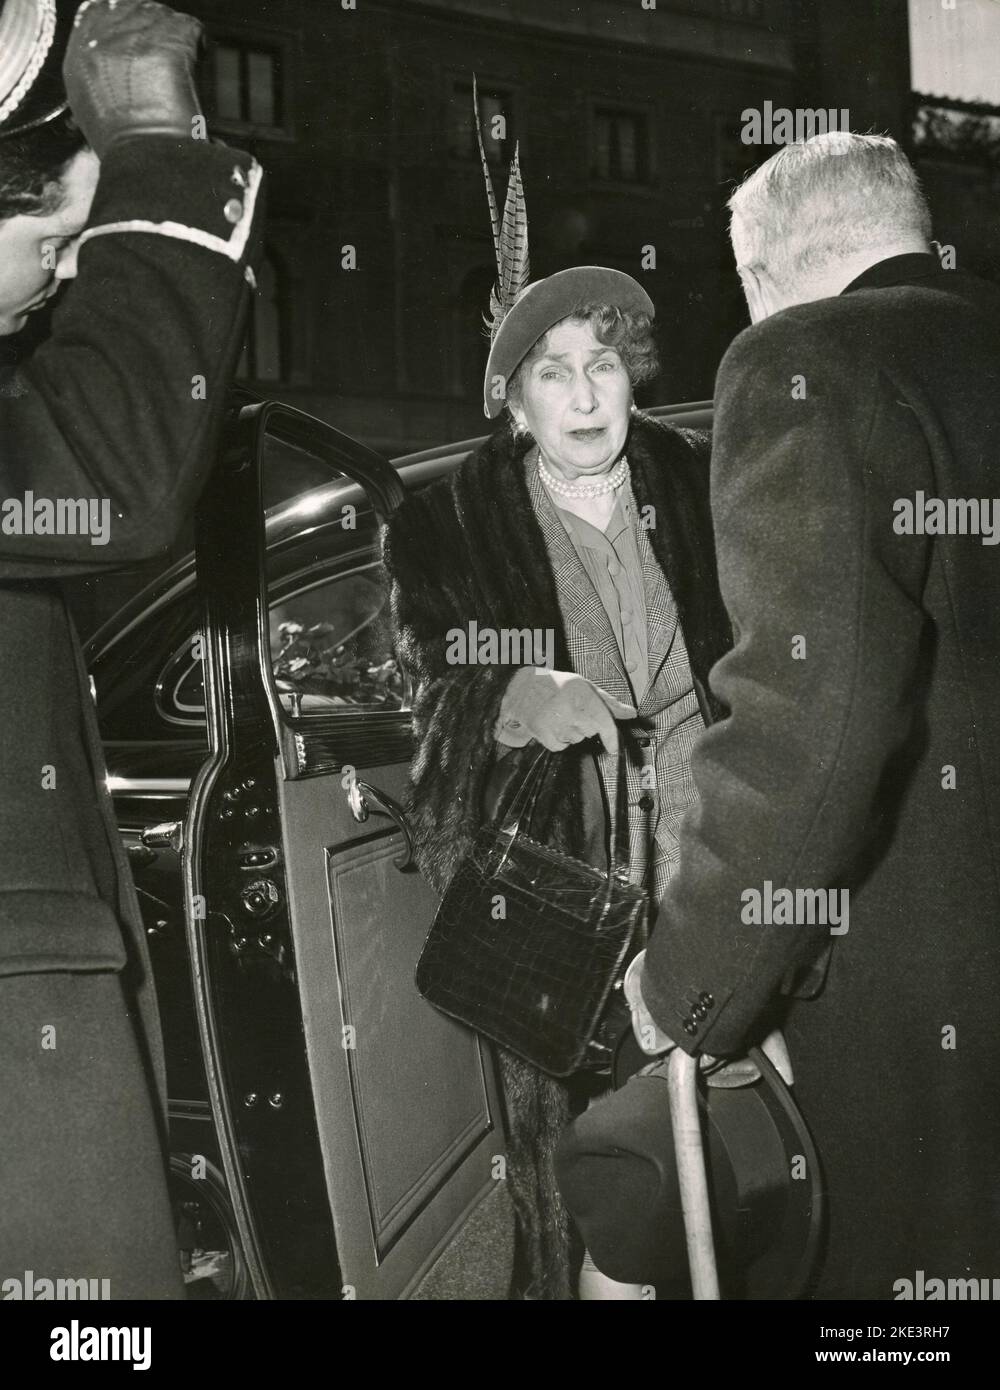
(361, 1132)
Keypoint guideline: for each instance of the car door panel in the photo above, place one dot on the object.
(360, 1131)
(400, 1174)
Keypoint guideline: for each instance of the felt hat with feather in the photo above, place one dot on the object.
(521, 311)
(33, 38)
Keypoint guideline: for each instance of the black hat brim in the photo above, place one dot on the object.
(618, 1176)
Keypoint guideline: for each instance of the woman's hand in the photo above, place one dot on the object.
(558, 708)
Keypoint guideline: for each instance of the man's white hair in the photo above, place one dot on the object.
(825, 200)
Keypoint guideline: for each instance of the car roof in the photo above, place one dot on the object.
(284, 521)
(417, 468)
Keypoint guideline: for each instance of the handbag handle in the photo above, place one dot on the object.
(522, 808)
(522, 804)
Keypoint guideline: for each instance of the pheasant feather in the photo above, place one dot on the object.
(490, 195)
(510, 236)
(512, 261)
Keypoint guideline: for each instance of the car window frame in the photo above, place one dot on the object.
(285, 589)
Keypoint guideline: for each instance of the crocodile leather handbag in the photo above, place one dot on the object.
(528, 943)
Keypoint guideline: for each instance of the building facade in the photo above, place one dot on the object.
(628, 116)
(630, 120)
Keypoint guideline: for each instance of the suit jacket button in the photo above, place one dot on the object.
(646, 802)
(233, 211)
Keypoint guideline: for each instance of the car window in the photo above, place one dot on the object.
(327, 597)
(331, 645)
(330, 638)
(180, 692)
(327, 600)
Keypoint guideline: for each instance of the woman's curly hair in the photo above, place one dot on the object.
(628, 331)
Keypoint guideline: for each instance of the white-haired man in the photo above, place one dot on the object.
(857, 444)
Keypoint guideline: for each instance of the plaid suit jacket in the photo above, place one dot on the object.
(657, 744)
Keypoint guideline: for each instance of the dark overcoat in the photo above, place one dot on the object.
(862, 752)
(469, 548)
(123, 403)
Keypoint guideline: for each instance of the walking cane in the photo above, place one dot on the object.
(682, 1084)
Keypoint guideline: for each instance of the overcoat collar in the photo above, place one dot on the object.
(897, 270)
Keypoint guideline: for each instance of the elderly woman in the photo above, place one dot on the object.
(587, 522)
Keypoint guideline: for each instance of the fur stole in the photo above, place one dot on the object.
(469, 548)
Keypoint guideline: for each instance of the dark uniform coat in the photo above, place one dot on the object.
(123, 403)
(862, 752)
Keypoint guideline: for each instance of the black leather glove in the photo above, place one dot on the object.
(128, 71)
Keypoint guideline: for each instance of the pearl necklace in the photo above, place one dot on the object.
(608, 483)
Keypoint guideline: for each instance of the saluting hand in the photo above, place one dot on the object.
(128, 71)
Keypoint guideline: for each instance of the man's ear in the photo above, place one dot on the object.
(755, 290)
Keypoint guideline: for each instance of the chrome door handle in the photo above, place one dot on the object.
(358, 796)
(169, 834)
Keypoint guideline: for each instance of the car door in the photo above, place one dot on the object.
(361, 1133)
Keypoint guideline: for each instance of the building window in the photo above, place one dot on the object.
(245, 85)
(496, 120)
(621, 146)
(265, 355)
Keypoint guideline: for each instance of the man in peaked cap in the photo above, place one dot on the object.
(103, 436)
